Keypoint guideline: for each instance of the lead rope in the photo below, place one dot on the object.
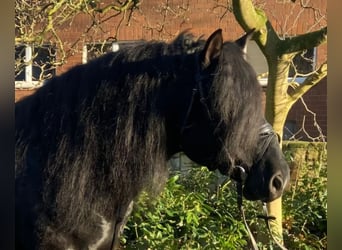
(239, 201)
(265, 217)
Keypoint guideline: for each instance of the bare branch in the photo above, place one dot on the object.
(250, 17)
(309, 82)
(304, 41)
(223, 9)
(42, 22)
(128, 4)
(321, 137)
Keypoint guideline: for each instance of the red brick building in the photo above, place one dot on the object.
(163, 20)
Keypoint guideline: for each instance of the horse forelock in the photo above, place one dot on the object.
(236, 94)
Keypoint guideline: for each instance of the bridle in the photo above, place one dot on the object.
(197, 89)
(266, 135)
(266, 131)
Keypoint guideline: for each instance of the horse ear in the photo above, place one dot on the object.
(242, 41)
(212, 48)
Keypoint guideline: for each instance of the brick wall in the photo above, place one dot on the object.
(19, 94)
(316, 102)
(203, 17)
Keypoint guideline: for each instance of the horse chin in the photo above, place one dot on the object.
(255, 189)
(252, 194)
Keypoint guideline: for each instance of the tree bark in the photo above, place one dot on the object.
(279, 54)
(277, 105)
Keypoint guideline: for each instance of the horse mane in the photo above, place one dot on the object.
(98, 128)
(237, 97)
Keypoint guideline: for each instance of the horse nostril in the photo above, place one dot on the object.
(276, 183)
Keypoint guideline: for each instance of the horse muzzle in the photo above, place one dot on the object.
(266, 191)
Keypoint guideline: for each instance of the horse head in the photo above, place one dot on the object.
(223, 126)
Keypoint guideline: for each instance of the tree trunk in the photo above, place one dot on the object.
(277, 101)
(279, 54)
(277, 108)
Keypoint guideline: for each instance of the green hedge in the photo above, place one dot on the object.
(305, 203)
(195, 212)
(301, 152)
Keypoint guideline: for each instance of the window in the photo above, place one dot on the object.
(289, 129)
(93, 50)
(258, 61)
(33, 65)
(304, 63)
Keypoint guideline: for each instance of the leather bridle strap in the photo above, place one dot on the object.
(265, 217)
(266, 134)
(187, 114)
(198, 89)
(239, 201)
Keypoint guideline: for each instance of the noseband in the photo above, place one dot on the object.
(266, 135)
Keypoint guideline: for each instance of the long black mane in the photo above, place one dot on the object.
(101, 127)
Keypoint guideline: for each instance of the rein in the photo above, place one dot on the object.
(265, 217)
(266, 134)
(197, 89)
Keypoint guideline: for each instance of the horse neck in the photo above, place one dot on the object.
(179, 102)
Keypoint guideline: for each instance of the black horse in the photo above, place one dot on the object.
(90, 140)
